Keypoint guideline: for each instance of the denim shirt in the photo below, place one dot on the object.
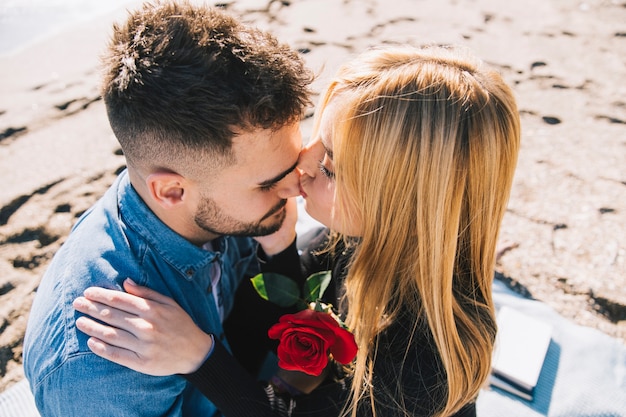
(120, 237)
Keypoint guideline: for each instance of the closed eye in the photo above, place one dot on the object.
(268, 187)
(270, 184)
(325, 171)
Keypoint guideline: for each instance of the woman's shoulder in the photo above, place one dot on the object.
(313, 247)
(469, 410)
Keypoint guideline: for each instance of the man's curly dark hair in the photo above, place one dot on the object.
(182, 77)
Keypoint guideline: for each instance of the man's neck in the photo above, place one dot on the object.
(176, 219)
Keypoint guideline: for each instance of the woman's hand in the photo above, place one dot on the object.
(144, 330)
(281, 239)
(302, 382)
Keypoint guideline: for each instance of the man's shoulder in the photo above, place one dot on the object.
(96, 253)
(82, 383)
(99, 245)
(51, 334)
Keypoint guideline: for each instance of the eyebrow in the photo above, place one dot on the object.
(328, 151)
(279, 177)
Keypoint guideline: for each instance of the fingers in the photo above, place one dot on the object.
(144, 292)
(121, 328)
(138, 300)
(115, 299)
(148, 351)
(121, 356)
(112, 336)
(109, 315)
(117, 320)
(106, 350)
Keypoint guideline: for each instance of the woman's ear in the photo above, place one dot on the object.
(167, 189)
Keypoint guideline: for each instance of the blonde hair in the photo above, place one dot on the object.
(425, 151)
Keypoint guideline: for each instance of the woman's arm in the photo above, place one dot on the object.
(136, 314)
(233, 391)
(149, 333)
(251, 317)
(140, 329)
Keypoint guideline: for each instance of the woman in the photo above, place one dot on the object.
(411, 163)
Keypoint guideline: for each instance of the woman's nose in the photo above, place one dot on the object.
(307, 163)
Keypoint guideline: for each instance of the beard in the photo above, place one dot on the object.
(211, 218)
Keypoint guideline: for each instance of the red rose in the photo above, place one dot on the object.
(307, 338)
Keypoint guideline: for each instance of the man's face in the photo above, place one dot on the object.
(248, 197)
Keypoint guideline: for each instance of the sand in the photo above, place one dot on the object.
(564, 236)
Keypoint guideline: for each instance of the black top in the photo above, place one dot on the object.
(404, 379)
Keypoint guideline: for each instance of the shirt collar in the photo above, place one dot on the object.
(175, 249)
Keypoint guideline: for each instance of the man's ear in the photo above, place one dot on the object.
(166, 188)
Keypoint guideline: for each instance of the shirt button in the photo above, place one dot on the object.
(189, 272)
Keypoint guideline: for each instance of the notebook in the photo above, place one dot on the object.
(521, 347)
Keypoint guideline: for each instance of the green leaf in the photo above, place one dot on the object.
(318, 307)
(277, 289)
(301, 305)
(315, 285)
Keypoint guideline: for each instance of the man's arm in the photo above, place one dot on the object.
(87, 385)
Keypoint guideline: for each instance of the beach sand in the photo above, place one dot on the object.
(564, 236)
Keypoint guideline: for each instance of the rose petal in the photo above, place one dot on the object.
(303, 351)
(307, 338)
(345, 348)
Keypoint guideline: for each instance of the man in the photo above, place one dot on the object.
(207, 113)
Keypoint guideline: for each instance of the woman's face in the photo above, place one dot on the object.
(317, 176)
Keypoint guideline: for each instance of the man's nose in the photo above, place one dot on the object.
(290, 185)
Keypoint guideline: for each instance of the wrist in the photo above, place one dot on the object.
(266, 252)
(273, 247)
(298, 382)
(281, 386)
(204, 351)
